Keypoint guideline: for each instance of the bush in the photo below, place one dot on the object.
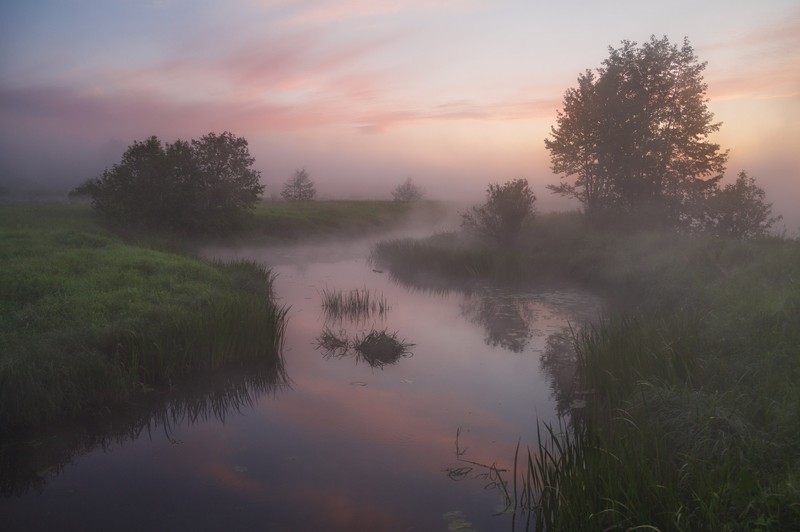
(506, 210)
(739, 210)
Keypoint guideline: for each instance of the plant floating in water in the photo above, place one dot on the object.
(355, 304)
(379, 348)
(376, 348)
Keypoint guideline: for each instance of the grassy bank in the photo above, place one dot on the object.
(692, 408)
(88, 319)
(285, 221)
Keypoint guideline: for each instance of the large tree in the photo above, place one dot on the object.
(195, 186)
(633, 137)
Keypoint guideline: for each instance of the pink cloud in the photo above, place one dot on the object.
(524, 109)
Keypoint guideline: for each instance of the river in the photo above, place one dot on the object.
(333, 443)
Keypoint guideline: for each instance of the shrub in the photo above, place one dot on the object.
(506, 210)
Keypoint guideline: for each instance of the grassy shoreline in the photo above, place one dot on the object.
(92, 315)
(89, 319)
(690, 408)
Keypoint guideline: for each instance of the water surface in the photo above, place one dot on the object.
(341, 445)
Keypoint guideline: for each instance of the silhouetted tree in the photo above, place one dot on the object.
(504, 213)
(299, 187)
(407, 191)
(633, 136)
(739, 210)
(193, 187)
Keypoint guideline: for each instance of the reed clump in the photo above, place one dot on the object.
(355, 305)
(378, 348)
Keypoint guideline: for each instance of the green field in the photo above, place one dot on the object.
(288, 221)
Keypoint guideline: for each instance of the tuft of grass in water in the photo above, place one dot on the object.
(89, 320)
(377, 348)
(355, 305)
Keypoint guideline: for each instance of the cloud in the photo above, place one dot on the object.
(396, 116)
(764, 62)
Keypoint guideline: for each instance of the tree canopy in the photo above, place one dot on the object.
(299, 187)
(502, 216)
(195, 186)
(633, 136)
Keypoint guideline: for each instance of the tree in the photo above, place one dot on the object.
(407, 191)
(739, 210)
(228, 185)
(299, 187)
(194, 186)
(504, 213)
(634, 137)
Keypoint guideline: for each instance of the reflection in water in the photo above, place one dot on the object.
(560, 364)
(365, 449)
(506, 318)
(29, 461)
(376, 348)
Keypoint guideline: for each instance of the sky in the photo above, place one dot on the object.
(364, 93)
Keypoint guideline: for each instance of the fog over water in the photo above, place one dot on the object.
(340, 444)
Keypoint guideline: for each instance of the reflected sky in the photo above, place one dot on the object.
(344, 446)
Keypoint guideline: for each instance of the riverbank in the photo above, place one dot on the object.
(90, 319)
(94, 315)
(689, 410)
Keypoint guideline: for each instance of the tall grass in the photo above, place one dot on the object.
(89, 320)
(693, 418)
(355, 305)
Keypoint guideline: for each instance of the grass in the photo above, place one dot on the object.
(378, 348)
(695, 413)
(276, 221)
(355, 305)
(89, 319)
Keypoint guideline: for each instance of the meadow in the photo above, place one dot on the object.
(685, 409)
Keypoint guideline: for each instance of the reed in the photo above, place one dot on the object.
(377, 348)
(355, 305)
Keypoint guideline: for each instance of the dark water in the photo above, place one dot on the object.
(342, 445)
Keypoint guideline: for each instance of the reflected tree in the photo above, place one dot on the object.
(507, 320)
